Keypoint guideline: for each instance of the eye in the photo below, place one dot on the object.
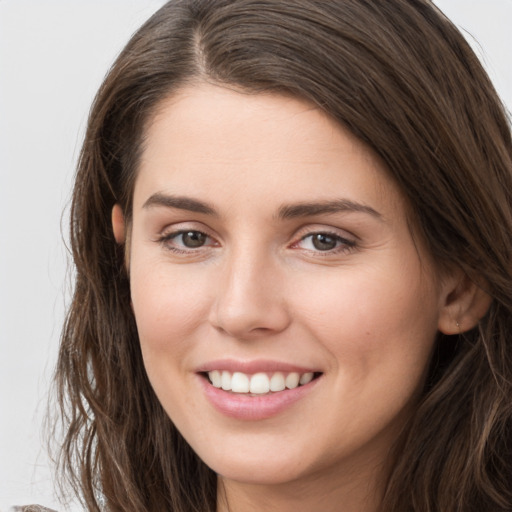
(185, 240)
(191, 239)
(325, 242)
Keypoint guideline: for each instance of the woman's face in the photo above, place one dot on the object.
(268, 246)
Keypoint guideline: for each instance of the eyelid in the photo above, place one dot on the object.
(341, 239)
(348, 241)
(311, 229)
(171, 232)
(183, 227)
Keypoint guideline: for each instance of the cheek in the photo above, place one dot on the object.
(169, 314)
(379, 333)
(167, 307)
(373, 320)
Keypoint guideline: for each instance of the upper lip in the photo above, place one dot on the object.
(254, 366)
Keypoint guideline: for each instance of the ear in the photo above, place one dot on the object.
(465, 304)
(118, 224)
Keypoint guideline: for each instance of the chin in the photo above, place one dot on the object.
(280, 462)
(259, 473)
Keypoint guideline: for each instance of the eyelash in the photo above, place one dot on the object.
(166, 238)
(343, 245)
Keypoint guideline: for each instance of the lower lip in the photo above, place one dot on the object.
(254, 408)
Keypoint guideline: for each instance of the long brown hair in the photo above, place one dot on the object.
(400, 77)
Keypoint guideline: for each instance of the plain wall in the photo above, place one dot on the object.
(53, 56)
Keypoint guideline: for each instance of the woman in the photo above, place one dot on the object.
(292, 228)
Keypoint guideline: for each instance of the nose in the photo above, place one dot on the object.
(250, 298)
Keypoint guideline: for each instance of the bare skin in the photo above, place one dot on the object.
(265, 236)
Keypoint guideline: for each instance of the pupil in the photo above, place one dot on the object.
(194, 239)
(324, 242)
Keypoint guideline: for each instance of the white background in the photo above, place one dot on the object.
(53, 56)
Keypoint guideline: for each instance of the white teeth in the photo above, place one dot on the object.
(226, 381)
(259, 383)
(277, 382)
(292, 380)
(305, 378)
(215, 378)
(240, 383)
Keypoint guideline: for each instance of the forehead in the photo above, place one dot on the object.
(206, 136)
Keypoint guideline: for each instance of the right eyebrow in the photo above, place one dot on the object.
(179, 202)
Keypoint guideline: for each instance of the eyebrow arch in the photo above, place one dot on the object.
(179, 202)
(285, 212)
(293, 211)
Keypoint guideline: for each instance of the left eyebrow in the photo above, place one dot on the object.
(293, 211)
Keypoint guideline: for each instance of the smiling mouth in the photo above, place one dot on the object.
(258, 384)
